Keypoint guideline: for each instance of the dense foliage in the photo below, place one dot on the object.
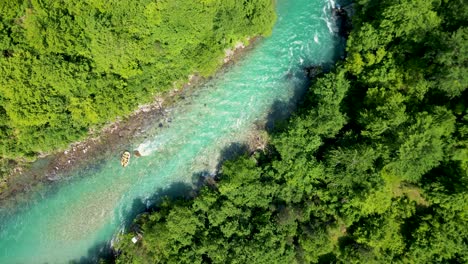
(372, 169)
(66, 66)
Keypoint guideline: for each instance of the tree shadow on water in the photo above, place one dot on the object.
(101, 251)
(230, 152)
(278, 114)
(180, 190)
(233, 150)
(199, 178)
(281, 110)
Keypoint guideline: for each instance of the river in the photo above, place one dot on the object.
(71, 220)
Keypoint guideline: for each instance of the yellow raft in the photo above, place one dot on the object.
(125, 159)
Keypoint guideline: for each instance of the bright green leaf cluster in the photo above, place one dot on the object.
(67, 66)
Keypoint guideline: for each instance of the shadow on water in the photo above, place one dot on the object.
(101, 251)
(281, 110)
(207, 178)
(230, 152)
(277, 114)
(199, 178)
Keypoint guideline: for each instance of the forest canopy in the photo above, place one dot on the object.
(373, 168)
(67, 66)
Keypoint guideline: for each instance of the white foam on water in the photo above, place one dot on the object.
(144, 148)
(316, 39)
(329, 24)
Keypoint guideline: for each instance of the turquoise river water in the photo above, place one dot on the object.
(65, 221)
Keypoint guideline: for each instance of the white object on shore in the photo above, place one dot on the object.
(134, 239)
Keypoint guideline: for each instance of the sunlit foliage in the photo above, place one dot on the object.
(372, 169)
(66, 66)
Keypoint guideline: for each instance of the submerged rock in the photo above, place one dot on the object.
(313, 71)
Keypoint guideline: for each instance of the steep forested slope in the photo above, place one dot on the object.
(372, 169)
(66, 66)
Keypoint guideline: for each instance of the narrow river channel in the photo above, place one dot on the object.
(65, 221)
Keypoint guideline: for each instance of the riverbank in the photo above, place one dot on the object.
(112, 138)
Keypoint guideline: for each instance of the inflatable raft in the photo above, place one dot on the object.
(125, 158)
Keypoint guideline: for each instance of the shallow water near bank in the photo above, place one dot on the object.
(74, 218)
